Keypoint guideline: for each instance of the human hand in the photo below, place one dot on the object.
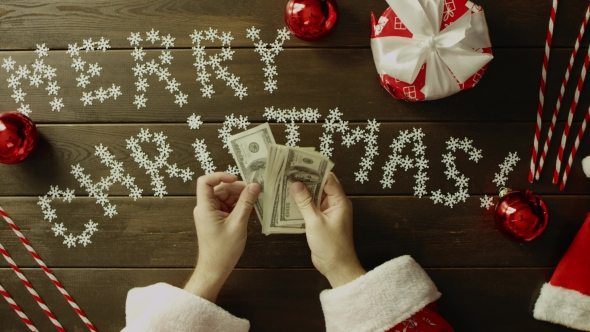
(329, 232)
(221, 219)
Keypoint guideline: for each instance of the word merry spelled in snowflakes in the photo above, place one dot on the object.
(44, 73)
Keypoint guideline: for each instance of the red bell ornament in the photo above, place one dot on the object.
(521, 214)
(311, 20)
(18, 137)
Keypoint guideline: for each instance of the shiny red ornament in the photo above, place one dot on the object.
(18, 137)
(311, 20)
(521, 215)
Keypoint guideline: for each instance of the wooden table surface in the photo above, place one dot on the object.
(488, 282)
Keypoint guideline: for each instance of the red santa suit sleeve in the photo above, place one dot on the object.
(394, 295)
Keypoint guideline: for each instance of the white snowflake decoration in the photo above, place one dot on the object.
(41, 73)
(8, 64)
(101, 94)
(506, 167)
(232, 169)
(230, 123)
(135, 39)
(350, 137)
(153, 67)
(268, 52)
(19, 95)
(253, 33)
(203, 156)
(59, 229)
(396, 159)
(194, 121)
(24, 109)
(500, 178)
(97, 190)
(56, 104)
(289, 117)
(153, 167)
(140, 101)
(42, 50)
(214, 62)
(486, 202)
(461, 182)
(152, 36)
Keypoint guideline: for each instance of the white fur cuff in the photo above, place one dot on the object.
(162, 307)
(563, 306)
(380, 299)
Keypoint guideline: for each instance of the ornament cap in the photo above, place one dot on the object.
(504, 191)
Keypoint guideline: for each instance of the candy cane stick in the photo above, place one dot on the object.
(17, 309)
(574, 150)
(560, 97)
(542, 92)
(31, 290)
(48, 272)
(570, 118)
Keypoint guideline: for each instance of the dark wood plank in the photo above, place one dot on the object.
(317, 78)
(25, 24)
(473, 299)
(155, 232)
(63, 146)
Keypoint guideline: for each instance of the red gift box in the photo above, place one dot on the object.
(426, 50)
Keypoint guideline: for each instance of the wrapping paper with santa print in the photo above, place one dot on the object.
(430, 49)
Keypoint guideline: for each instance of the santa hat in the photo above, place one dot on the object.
(565, 299)
(586, 166)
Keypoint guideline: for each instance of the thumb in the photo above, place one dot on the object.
(246, 201)
(304, 201)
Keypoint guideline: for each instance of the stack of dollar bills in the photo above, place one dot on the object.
(276, 167)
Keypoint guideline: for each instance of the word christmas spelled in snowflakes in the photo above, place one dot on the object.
(157, 167)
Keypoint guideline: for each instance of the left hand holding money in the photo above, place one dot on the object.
(221, 219)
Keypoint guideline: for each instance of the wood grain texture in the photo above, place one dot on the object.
(489, 283)
(154, 232)
(317, 78)
(25, 24)
(62, 146)
(269, 298)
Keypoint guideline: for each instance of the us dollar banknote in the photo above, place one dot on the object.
(295, 165)
(276, 168)
(250, 151)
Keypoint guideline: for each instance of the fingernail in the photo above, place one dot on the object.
(297, 187)
(254, 188)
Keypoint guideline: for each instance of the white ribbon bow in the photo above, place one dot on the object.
(448, 53)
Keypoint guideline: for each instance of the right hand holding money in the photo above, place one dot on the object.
(329, 231)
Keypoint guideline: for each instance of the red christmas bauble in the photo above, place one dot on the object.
(521, 215)
(311, 19)
(18, 137)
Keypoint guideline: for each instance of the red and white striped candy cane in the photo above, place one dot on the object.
(570, 118)
(31, 290)
(542, 92)
(561, 91)
(47, 271)
(17, 309)
(574, 150)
